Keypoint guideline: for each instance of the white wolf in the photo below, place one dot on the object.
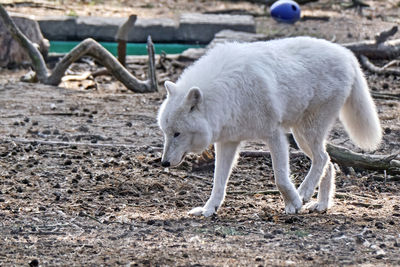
(242, 91)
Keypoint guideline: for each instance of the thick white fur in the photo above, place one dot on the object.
(243, 91)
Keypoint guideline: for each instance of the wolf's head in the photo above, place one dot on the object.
(182, 120)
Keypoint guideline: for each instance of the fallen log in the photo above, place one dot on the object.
(380, 48)
(372, 50)
(347, 158)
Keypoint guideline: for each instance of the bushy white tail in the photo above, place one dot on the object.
(359, 115)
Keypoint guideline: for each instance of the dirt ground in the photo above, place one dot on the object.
(81, 181)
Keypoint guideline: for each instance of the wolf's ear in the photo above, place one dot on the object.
(170, 86)
(194, 97)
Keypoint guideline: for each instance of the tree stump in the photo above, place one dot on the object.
(11, 52)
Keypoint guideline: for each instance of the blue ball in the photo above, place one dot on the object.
(287, 11)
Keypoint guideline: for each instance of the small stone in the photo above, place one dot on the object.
(277, 232)
(41, 208)
(290, 220)
(68, 162)
(151, 222)
(58, 196)
(83, 128)
(379, 225)
(308, 258)
(26, 119)
(268, 236)
(34, 263)
(129, 124)
(385, 85)
(259, 258)
(46, 132)
(290, 263)
(380, 253)
(53, 106)
(359, 239)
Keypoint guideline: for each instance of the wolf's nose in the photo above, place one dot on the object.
(165, 164)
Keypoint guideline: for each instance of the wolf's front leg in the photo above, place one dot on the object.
(225, 158)
(279, 148)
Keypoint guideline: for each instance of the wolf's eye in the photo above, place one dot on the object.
(176, 134)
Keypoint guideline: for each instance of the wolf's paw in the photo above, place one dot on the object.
(199, 211)
(318, 206)
(305, 193)
(293, 207)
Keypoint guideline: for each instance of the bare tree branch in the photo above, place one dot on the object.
(383, 36)
(386, 96)
(88, 47)
(91, 48)
(37, 58)
(379, 70)
(379, 48)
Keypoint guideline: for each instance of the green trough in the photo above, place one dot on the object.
(64, 47)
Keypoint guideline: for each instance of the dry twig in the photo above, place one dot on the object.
(379, 70)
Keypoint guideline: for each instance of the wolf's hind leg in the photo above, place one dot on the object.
(320, 159)
(327, 183)
(313, 134)
(225, 157)
(325, 192)
(279, 149)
